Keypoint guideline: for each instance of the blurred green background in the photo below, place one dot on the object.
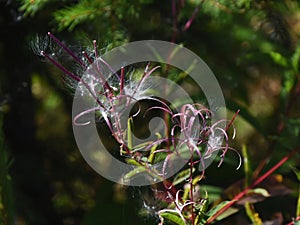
(251, 46)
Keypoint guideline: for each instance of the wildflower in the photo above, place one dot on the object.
(120, 100)
(126, 104)
(111, 92)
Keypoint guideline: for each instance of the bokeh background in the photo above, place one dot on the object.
(251, 46)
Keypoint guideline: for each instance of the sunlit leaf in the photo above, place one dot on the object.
(278, 58)
(218, 207)
(70, 17)
(288, 84)
(172, 217)
(260, 191)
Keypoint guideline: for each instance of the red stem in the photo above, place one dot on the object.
(192, 189)
(190, 21)
(256, 182)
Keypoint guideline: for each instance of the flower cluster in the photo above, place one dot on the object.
(189, 140)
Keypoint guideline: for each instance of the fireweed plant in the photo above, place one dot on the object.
(190, 134)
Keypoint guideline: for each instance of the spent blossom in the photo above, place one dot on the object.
(114, 93)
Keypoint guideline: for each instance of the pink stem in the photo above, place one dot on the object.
(190, 21)
(66, 49)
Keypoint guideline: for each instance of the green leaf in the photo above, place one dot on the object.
(31, 7)
(288, 82)
(218, 207)
(201, 209)
(202, 206)
(297, 172)
(295, 59)
(243, 3)
(260, 191)
(214, 192)
(278, 58)
(133, 162)
(139, 169)
(173, 217)
(135, 172)
(182, 176)
(70, 17)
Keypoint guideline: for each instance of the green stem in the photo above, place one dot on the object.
(246, 165)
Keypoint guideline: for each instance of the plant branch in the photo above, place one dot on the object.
(255, 183)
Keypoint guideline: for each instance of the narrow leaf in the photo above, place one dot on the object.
(182, 176)
(217, 208)
(278, 58)
(173, 217)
